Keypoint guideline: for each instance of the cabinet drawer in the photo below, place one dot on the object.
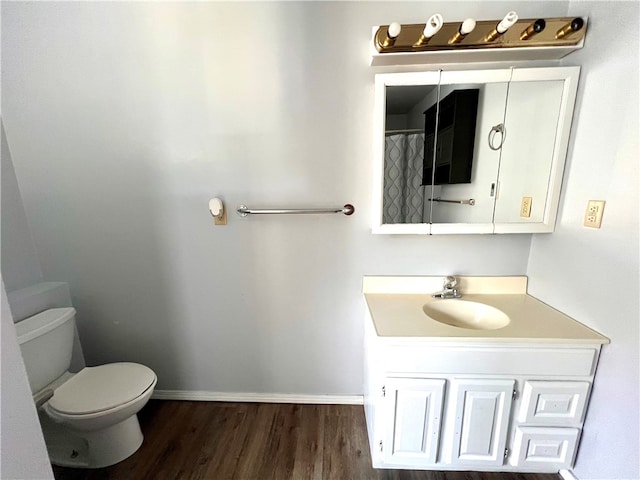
(488, 360)
(548, 447)
(553, 403)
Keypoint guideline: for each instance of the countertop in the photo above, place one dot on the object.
(401, 315)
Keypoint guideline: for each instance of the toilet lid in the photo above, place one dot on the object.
(95, 389)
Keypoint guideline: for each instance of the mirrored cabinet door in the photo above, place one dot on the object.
(464, 169)
(538, 123)
(400, 194)
(530, 123)
(404, 153)
(475, 151)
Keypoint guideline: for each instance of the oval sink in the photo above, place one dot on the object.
(466, 314)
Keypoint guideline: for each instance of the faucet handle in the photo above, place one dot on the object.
(450, 282)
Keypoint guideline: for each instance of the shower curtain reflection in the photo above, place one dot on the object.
(403, 200)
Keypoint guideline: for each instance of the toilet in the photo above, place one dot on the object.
(88, 418)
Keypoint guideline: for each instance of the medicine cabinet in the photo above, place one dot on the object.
(475, 151)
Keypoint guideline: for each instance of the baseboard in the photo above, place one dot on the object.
(203, 396)
(567, 475)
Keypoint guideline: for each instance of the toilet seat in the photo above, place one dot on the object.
(97, 389)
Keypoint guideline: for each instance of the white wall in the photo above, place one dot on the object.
(23, 454)
(125, 118)
(20, 267)
(590, 274)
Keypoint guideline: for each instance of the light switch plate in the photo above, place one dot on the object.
(593, 217)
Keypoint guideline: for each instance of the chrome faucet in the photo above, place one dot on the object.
(449, 289)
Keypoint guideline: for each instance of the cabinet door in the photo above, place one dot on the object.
(413, 409)
(482, 410)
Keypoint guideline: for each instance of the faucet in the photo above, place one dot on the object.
(449, 288)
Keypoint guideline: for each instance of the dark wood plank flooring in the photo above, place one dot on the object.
(259, 441)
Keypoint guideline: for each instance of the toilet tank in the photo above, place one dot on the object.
(46, 342)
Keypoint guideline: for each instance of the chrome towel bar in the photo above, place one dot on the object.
(471, 201)
(243, 210)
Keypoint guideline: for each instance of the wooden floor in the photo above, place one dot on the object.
(250, 441)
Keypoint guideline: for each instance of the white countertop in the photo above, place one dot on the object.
(401, 315)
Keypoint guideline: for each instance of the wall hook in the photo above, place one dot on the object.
(218, 212)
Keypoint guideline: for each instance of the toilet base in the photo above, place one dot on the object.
(102, 448)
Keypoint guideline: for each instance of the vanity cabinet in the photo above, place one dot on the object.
(486, 406)
(445, 397)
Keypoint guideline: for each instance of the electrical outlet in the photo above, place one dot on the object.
(593, 217)
(525, 207)
(222, 219)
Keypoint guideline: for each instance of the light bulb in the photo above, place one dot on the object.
(394, 30)
(533, 29)
(465, 29)
(573, 26)
(467, 26)
(507, 22)
(433, 26)
(504, 25)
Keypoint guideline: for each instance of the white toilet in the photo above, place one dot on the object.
(88, 418)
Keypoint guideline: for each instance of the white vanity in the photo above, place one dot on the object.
(482, 396)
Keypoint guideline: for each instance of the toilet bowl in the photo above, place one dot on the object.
(90, 420)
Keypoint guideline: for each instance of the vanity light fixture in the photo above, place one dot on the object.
(533, 29)
(507, 39)
(505, 24)
(393, 31)
(571, 27)
(433, 26)
(465, 29)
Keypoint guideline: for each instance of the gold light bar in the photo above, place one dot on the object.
(536, 32)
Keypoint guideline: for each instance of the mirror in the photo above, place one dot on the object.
(465, 177)
(471, 151)
(531, 122)
(404, 153)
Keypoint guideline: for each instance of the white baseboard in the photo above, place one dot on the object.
(203, 396)
(567, 475)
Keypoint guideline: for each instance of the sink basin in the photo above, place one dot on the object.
(466, 314)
